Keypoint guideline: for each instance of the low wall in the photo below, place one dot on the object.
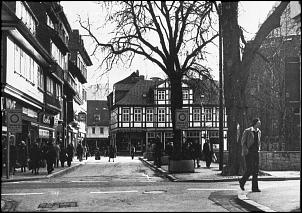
(274, 160)
(280, 160)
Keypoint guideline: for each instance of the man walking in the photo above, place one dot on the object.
(250, 146)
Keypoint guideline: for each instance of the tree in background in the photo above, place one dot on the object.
(173, 35)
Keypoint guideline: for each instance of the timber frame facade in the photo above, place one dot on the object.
(141, 109)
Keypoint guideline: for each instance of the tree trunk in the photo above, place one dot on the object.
(176, 103)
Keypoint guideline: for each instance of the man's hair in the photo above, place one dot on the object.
(255, 120)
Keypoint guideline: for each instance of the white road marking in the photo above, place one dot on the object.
(110, 192)
(89, 181)
(33, 193)
(203, 189)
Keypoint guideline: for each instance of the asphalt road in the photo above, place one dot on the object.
(125, 185)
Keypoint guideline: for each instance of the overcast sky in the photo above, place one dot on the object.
(251, 14)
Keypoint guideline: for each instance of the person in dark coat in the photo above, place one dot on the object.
(13, 158)
(22, 156)
(62, 155)
(132, 151)
(169, 148)
(35, 158)
(80, 151)
(69, 151)
(157, 149)
(50, 157)
(43, 154)
(196, 152)
(112, 152)
(207, 152)
(250, 151)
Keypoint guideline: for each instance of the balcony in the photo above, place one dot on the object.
(52, 101)
(58, 36)
(56, 69)
(70, 82)
(82, 75)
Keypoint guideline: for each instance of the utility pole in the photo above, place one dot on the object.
(220, 93)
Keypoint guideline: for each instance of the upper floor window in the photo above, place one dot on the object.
(161, 115)
(208, 114)
(93, 130)
(49, 85)
(24, 14)
(125, 115)
(185, 94)
(40, 78)
(196, 114)
(161, 94)
(149, 115)
(137, 115)
(101, 130)
(49, 22)
(58, 56)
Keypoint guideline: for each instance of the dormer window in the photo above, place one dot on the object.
(161, 95)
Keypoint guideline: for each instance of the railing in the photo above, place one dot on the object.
(52, 100)
(55, 68)
(69, 79)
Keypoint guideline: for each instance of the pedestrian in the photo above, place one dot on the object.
(97, 154)
(132, 151)
(50, 157)
(169, 148)
(157, 149)
(57, 148)
(250, 151)
(112, 152)
(70, 151)
(85, 151)
(207, 152)
(196, 152)
(35, 158)
(22, 153)
(80, 151)
(63, 155)
(12, 157)
(43, 154)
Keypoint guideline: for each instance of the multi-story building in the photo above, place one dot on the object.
(53, 33)
(274, 85)
(24, 62)
(43, 67)
(140, 110)
(97, 124)
(74, 90)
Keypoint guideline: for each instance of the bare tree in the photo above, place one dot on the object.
(172, 35)
(236, 74)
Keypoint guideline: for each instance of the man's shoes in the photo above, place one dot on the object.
(256, 190)
(241, 185)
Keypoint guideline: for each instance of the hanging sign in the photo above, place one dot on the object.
(14, 121)
(181, 118)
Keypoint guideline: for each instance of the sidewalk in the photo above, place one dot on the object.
(267, 200)
(28, 176)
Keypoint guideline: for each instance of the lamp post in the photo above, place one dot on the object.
(220, 94)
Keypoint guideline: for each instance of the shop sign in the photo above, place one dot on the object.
(43, 133)
(14, 121)
(181, 118)
(55, 122)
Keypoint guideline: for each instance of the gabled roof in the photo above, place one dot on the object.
(97, 107)
(138, 94)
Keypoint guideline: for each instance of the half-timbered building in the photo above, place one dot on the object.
(140, 110)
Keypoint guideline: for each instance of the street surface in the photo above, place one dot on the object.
(123, 185)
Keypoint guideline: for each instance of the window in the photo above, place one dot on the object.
(58, 91)
(93, 130)
(161, 115)
(185, 94)
(161, 95)
(149, 115)
(40, 78)
(217, 114)
(23, 13)
(208, 114)
(17, 59)
(49, 22)
(101, 130)
(49, 85)
(125, 115)
(137, 115)
(196, 114)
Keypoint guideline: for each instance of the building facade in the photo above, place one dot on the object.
(97, 124)
(39, 74)
(140, 110)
